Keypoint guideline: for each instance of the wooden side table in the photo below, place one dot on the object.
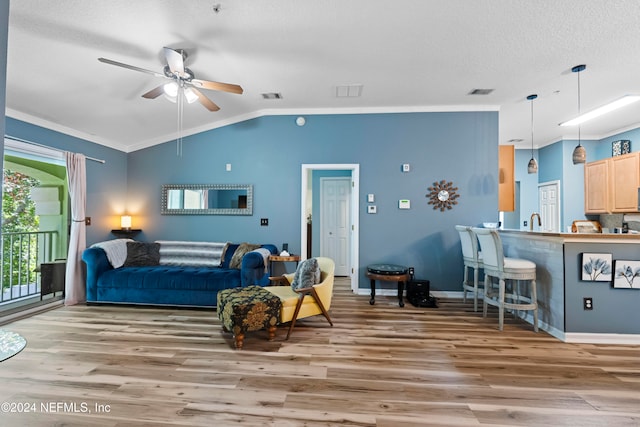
(389, 273)
(278, 258)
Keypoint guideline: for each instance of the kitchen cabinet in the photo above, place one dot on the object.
(624, 177)
(611, 185)
(596, 187)
(506, 178)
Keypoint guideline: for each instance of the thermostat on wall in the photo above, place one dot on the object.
(404, 204)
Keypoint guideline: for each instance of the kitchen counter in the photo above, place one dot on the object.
(561, 290)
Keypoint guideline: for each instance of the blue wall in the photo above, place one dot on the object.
(267, 152)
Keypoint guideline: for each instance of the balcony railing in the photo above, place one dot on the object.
(22, 255)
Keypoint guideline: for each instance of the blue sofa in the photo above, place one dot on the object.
(170, 284)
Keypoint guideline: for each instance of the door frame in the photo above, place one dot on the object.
(355, 212)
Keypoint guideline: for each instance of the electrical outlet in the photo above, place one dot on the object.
(264, 221)
(525, 223)
(588, 303)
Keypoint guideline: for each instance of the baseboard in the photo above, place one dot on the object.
(589, 338)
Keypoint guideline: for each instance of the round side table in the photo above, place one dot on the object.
(389, 273)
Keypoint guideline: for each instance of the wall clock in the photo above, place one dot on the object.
(442, 195)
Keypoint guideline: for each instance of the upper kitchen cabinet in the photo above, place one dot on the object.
(611, 185)
(596, 187)
(506, 178)
(624, 180)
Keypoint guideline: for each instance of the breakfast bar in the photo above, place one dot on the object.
(563, 294)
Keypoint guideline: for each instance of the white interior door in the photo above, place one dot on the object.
(335, 214)
(549, 199)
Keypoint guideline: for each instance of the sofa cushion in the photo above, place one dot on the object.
(307, 274)
(142, 254)
(205, 254)
(227, 254)
(236, 260)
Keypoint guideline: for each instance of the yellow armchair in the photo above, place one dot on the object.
(306, 302)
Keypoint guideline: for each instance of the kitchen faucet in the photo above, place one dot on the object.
(531, 220)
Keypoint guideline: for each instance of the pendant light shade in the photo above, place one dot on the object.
(579, 153)
(532, 167)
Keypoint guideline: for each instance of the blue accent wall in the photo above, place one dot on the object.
(268, 152)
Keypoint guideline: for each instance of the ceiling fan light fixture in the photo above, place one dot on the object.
(171, 90)
(190, 95)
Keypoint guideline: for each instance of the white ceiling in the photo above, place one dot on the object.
(409, 55)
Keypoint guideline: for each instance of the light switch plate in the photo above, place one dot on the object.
(372, 209)
(406, 167)
(404, 204)
(371, 198)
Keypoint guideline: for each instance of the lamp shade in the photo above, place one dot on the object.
(579, 155)
(532, 167)
(125, 222)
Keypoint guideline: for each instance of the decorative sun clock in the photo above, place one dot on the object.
(442, 195)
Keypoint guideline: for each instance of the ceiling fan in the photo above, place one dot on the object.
(183, 81)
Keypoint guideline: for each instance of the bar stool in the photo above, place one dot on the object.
(504, 268)
(472, 258)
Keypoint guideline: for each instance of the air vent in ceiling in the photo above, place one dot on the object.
(481, 91)
(348, 91)
(515, 140)
(272, 95)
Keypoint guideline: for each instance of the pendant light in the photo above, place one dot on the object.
(579, 153)
(532, 167)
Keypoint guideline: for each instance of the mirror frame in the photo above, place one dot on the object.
(164, 210)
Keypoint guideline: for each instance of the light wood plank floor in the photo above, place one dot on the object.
(379, 365)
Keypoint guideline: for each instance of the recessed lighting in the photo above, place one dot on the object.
(272, 95)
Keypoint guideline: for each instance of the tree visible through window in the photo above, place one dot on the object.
(18, 216)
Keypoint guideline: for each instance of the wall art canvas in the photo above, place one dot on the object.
(627, 274)
(597, 267)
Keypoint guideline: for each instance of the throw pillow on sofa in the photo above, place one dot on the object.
(140, 254)
(236, 259)
(307, 274)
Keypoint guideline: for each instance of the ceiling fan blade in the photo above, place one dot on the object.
(225, 87)
(130, 67)
(154, 93)
(174, 61)
(209, 104)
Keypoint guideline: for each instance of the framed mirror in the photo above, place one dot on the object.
(207, 199)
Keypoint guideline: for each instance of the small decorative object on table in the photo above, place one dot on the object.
(622, 146)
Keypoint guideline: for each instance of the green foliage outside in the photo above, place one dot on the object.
(18, 216)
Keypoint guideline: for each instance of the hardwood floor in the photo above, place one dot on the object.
(379, 365)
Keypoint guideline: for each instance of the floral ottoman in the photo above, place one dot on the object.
(251, 308)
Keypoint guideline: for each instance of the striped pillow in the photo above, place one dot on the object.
(201, 254)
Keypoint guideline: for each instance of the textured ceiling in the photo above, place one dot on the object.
(409, 55)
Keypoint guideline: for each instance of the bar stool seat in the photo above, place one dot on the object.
(472, 259)
(516, 270)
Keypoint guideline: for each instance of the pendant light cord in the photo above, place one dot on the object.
(532, 128)
(579, 112)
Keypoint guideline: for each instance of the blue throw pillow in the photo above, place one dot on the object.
(307, 274)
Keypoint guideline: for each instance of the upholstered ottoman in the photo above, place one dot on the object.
(248, 309)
